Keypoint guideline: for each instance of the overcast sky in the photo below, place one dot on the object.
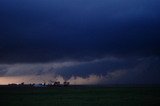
(82, 41)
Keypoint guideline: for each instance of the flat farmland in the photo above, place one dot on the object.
(80, 96)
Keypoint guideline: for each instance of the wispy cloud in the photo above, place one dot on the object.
(44, 68)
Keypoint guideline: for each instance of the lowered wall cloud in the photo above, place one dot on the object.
(110, 71)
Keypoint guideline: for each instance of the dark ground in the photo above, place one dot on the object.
(80, 96)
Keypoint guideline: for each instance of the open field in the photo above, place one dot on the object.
(80, 96)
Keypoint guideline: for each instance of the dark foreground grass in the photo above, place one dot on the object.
(80, 96)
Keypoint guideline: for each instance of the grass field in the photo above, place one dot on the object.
(80, 96)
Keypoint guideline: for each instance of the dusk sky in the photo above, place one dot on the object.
(81, 41)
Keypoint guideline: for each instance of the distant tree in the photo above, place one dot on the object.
(66, 83)
(57, 83)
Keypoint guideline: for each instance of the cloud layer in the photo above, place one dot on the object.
(102, 71)
(83, 41)
(47, 31)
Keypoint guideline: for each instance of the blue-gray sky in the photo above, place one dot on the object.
(105, 41)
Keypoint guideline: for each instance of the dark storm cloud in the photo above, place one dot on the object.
(101, 71)
(43, 31)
